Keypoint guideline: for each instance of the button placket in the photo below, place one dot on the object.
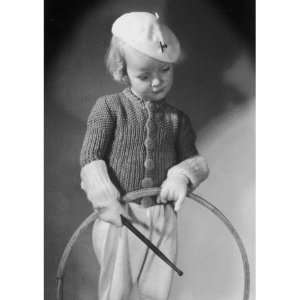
(151, 128)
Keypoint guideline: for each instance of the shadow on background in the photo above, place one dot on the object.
(214, 85)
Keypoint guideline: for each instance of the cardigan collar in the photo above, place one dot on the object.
(133, 97)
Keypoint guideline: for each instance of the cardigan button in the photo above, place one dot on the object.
(147, 202)
(149, 164)
(147, 182)
(149, 144)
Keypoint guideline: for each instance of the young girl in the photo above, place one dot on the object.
(136, 140)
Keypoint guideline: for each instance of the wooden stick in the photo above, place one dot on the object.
(128, 224)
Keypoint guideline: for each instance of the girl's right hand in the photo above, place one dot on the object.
(174, 188)
(111, 213)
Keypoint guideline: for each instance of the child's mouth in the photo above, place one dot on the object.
(158, 91)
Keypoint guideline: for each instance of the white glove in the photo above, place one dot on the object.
(174, 188)
(183, 178)
(101, 192)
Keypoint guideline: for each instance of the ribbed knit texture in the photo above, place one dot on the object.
(139, 140)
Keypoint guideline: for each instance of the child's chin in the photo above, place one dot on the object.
(158, 96)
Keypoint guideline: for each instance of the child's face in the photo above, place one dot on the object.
(149, 78)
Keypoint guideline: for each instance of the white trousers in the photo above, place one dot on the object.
(129, 270)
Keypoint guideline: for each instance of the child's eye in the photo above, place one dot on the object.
(166, 69)
(143, 77)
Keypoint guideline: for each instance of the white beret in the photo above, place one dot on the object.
(144, 32)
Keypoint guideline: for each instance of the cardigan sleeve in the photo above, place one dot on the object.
(100, 127)
(191, 164)
(185, 143)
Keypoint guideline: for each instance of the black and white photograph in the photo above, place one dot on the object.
(149, 150)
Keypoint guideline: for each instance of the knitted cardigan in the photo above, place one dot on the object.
(139, 140)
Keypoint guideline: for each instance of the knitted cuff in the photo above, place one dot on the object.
(96, 182)
(194, 168)
(177, 178)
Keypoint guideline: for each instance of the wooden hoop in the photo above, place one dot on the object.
(146, 193)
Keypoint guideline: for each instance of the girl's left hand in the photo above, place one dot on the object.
(174, 188)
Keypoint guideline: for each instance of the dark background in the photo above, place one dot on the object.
(215, 86)
(61, 16)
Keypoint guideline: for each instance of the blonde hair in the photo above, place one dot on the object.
(115, 60)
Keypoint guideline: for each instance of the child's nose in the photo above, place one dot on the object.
(156, 81)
